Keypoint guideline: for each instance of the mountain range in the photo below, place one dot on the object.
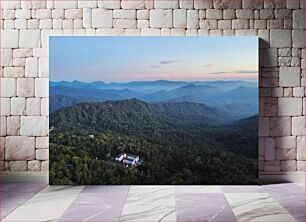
(235, 98)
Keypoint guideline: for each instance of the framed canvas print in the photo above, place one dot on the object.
(153, 110)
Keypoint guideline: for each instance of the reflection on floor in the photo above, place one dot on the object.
(39, 202)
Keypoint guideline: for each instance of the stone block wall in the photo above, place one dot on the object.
(26, 26)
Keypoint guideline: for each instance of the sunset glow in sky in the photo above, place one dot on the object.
(121, 59)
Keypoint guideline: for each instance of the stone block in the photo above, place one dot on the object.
(8, 87)
(269, 149)
(215, 32)
(203, 4)
(22, 53)
(179, 18)
(10, 5)
(252, 4)
(150, 32)
(13, 125)
(44, 107)
(68, 24)
(240, 24)
(41, 87)
(65, 4)
(142, 24)
(143, 14)
(25, 87)
(284, 52)
(166, 4)
(58, 14)
(298, 19)
(8, 14)
(285, 142)
(42, 154)
(31, 67)
(160, 18)
(301, 148)
(88, 4)
(285, 154)
(23, 14)
(224, 24)
(109, 4)
(43, 68)
(73, 13)
(280, 38)
(214, 14)
(42, 142)
(191, 32)
(34, 165)
(18, 106)
(165, 32)
(298, 38)
(186, 4)
(298, 92)
(5, 107)
(295, 62)
(229, 14)
(86, 18)
(45, 165)
(20, 23)
(298, 126)
(18, 166)
(6, 57)
(301, 166)
(3, 131)
(19, 148)
(9, 38)
(289, 76)
(289, 106)
(288, 92)
(245, 14)
(125, 23)
(227, 4)
(280, 126)
(125, 14)
(20, 63)
(283, 14)
(284, 61)
(43, 13)
(13, 72)
(293, 4)
(33, 106)
(133, 4)
(34, 126)
(102, 18)
(192, 19)
(288, 165)
(264, 126)
(33, 4)
(29, 38)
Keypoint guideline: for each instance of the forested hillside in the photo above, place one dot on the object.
(180, 143)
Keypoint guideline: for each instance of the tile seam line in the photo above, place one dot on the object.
(124, 202)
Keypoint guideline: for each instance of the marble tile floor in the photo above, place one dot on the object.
(40, 202)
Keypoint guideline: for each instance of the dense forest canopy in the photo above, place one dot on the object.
(180, 143)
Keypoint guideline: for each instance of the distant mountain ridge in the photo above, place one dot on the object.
(134, 115)
(240, 99)
(151, 86)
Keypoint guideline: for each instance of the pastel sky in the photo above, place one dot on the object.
(122, 59)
